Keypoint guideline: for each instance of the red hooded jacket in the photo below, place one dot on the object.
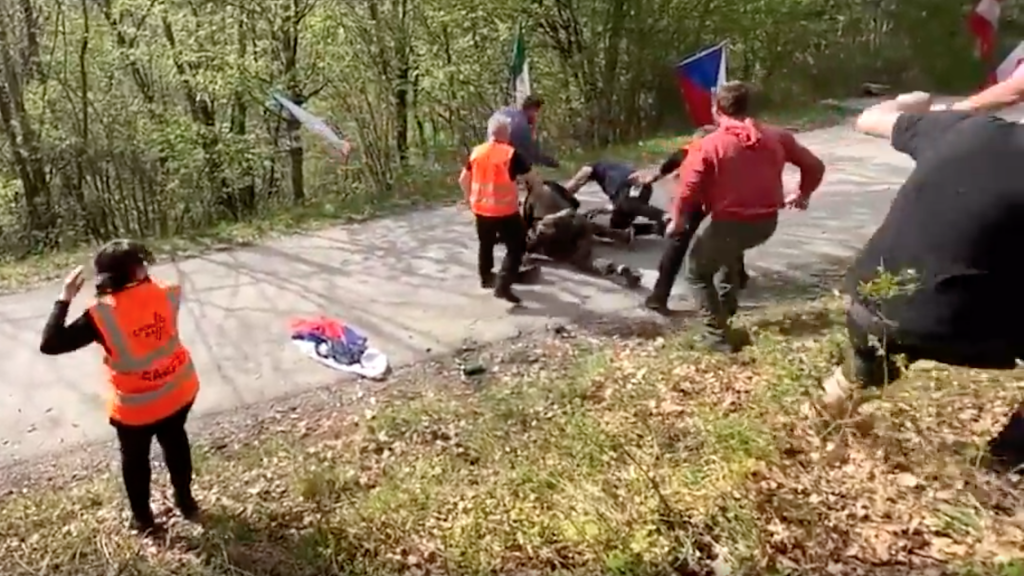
(735, 172)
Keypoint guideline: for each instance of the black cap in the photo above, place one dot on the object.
(121, 256)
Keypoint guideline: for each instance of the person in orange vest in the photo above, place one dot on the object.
(151, 376)
(489, 182)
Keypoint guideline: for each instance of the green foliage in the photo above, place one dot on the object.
(149, 117)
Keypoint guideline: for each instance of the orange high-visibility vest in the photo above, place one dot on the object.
(492, 190)
(151, 374)
(691, 147)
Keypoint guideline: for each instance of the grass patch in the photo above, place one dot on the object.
(428, 188)
(584, 453)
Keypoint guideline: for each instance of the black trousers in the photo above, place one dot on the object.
(135, 442)
(672, 258)
(508, 230)
(625, 211)
(871, 362)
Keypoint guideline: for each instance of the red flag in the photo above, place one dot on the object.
(983, 23)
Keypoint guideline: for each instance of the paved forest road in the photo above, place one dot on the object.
(408, 282)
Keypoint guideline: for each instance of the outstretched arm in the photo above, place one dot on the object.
(669, 166)
(993, 98)
(581, 178)
(879, 119)
(812, 169)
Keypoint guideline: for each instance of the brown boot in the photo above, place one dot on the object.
(841, 399)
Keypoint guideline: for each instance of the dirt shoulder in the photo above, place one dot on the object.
(591, 448)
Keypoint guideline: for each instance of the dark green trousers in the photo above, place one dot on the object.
(714, 267)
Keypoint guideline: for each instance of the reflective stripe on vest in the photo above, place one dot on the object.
(494, 194)
(121, 359)
(136, 399)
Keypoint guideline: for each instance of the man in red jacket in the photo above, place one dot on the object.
(736, 175)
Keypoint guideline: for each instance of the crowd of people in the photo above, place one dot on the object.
(730, 172)
(955, 223)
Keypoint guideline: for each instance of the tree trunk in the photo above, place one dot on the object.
(22, 137)
(290, 51)
(30, 52)
(403, 80)
(240, 119)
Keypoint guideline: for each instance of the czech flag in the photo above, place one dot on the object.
(699, 77)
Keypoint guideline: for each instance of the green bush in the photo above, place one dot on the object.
(149, 117)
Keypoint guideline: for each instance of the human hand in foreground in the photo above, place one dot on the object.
(914, 102)
(73, 284)
(671, 228)
(797, 201)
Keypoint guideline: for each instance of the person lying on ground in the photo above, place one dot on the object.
(552, 198)
(950, 248)
(569, 236)
(630, 198)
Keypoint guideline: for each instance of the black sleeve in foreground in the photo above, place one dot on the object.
(915, 134)
(59, 338)
(672, 163)
(519, 166)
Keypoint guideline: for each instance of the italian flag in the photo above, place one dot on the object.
(983, 22)
(520, 69)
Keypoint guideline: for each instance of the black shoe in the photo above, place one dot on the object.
(631, 278)
(146, 526)
(657, 304)
(1005, 452)
(505, 293)
(189, 509)
(719, 344)
(663, 226)
(487, 281)
(528, 275)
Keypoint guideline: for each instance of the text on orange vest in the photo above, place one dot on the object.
(149, 370)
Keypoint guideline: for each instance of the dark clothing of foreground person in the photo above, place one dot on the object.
(570, 236)
(735, 174)
(151, 375)
(952, 241)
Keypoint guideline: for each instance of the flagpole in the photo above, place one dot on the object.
(723, 45)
